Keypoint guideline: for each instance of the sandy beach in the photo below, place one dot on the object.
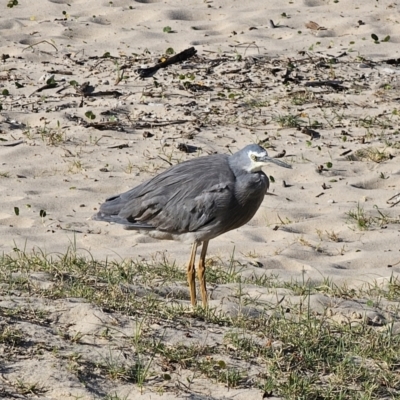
(315, 82)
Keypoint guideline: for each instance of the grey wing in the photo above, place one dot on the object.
(194, 214)
(185, 198)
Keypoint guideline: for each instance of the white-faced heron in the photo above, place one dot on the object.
(195, 201)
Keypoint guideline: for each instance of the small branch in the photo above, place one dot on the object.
(177, 58)
(42, 41)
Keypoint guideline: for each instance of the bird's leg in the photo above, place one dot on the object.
(191, 274)
(201, 272)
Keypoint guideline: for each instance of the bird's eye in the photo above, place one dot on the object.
(253, 157)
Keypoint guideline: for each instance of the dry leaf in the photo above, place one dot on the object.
(314, 26)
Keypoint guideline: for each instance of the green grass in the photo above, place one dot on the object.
(291, 352)
(370, 154)
(288, 120)
(365, 220)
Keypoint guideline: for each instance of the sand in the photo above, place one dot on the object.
(55, 171)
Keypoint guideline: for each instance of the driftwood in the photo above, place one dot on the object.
(394, 200)
(86, 90)
(177, 58)
(337, 85)
(101, 126)
(12, 144)
(120, 126)
(50, 85)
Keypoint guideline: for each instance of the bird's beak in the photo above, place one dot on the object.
(268, 159)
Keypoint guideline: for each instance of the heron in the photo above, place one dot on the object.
(196, 201)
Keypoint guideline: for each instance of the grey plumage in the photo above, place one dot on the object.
(196, 200)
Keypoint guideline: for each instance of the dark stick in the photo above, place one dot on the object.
(182, 56)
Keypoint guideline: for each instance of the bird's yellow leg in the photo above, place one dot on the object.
(191, 275)
(201, 273)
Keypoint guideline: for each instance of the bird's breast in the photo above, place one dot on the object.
(251, 188)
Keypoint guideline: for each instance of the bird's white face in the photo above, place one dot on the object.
(257, 160)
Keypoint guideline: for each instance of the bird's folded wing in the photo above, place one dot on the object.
(182, 199)
(179, 211)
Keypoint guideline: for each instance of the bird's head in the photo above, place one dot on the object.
(253, 157)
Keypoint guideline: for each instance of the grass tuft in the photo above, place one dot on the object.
(287, 351)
